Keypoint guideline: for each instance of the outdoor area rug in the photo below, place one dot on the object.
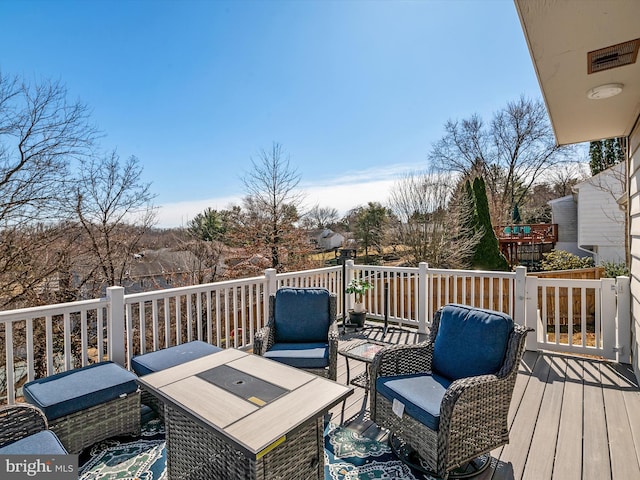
(348, 456)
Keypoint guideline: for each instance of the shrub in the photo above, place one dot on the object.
(614, 269)
(563, 260)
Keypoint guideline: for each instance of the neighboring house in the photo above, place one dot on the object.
(564, 213)
(326, 239)
(585, 57)
(591, 221)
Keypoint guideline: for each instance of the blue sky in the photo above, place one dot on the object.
(355, 91)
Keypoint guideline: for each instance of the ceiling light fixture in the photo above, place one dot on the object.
(605, 91)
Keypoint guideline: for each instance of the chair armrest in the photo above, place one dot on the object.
(402, 360)
(333, 351)
(476, 404)
(19, 421)
(263, 340)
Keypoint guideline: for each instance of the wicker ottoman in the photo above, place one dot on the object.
(168, 357)
(89, 404)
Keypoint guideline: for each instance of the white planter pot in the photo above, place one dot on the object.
(358, 307)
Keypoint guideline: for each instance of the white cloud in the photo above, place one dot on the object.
(179, 213)
(342, 193)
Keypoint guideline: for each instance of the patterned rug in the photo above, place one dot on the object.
(348, 456)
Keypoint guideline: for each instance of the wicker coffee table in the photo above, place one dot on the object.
(234, 415)
(363, 351)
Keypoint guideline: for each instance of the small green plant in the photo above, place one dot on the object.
(615, 269)
(358, 287)
(563, 260)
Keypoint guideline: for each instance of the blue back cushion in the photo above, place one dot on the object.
(302, 315)
(470, 341)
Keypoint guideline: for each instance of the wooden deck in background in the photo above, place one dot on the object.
(571, 417)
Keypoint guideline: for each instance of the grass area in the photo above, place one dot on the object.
(563, 338)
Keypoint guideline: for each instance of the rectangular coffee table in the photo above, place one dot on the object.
(236, 415)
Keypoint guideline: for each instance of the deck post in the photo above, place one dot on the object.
(608, 318)
(623, 315)
(525, 308)
(116, 322)
(270, 279)
(422, 297)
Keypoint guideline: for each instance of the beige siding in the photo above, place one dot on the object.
(634, 232)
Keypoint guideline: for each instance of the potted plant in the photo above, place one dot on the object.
(358, 287)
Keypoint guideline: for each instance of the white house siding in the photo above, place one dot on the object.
(600, 218)
(634, 233)
(564, 213)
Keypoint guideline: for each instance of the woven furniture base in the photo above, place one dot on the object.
(410, 431)
(409, 455)
(92, 425)
(152, 402)
(195, 453)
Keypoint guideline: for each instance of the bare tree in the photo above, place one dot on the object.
(321, 217)
(562, 178)
(271, 209)
(511, 154)
(41, 135)
(114, 210)
(433, 219)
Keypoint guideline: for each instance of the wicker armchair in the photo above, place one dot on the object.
(451, 393)
(24, 430)
(301, 330)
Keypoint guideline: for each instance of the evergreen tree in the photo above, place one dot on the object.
(487, 255)
(596, 156)
(605, 153)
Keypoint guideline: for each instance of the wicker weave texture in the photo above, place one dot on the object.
(20, 421)
(265, 338)
(473, 412)
(87, 427)
(195, 453)
(151, 401)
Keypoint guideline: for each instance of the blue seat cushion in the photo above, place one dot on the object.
(302, 315)
(300, 355)
(470, 341)
(421, 395)
(172, 356)
(79, 389)
(44, 442)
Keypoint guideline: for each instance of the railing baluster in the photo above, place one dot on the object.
(83, 338)
(31, 374)
(49, 344)
(208, 316)
(178, 302)
(67, 341)
(9, 368)
(167, 321)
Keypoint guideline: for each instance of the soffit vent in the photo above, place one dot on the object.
(614, 56)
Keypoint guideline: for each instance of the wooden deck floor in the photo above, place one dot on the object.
(571, 417)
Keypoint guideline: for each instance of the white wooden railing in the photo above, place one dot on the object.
(228, 313)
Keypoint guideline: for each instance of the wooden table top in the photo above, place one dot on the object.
(253, 428)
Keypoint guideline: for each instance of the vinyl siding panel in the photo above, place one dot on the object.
(634, 217)
(600, 218)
